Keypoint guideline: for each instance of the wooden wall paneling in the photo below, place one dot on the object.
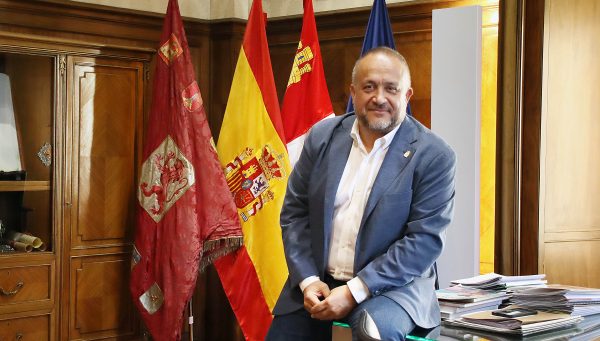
(280, 54)
(105, 120)
(569, 218)
(571, 120)
(225, 42)
(87, 25)
(572, 262)
(99, 286)
(107, 135)
(220, 322)
(416, 48)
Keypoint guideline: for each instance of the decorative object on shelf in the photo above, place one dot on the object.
(25, 242)
(10, 158)
(45, 154)
(25, 238)
(18, 246)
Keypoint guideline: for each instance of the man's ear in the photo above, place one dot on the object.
(352, 90)
(409, 94)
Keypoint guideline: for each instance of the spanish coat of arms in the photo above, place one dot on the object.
(248, 177)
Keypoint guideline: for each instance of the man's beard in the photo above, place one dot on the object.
(381, 125)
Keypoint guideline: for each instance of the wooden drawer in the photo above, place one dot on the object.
(23, 285)
(35, 328)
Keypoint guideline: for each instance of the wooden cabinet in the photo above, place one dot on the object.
(23, 286)
(105, 121)
(78, 126)
(26, 328)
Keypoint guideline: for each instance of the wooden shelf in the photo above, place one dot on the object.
(25, 186)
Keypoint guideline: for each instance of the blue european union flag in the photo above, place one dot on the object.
(379, 33)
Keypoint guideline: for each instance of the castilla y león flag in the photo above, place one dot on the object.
(306, 99)
(254, 158)
(186, 216)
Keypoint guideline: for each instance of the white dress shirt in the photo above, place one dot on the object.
(351, 198)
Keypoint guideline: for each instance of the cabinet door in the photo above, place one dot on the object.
(105, 111)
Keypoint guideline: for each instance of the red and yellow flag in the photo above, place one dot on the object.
(306, 99)
(255, 162)
(186, 217)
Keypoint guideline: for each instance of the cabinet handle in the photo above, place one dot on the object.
(14, 291)
(18, 337)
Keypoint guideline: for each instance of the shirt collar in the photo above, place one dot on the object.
(382, 142)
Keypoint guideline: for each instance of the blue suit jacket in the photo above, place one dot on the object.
(403, 225)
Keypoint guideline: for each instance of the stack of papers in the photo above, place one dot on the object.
(588, 329)
(522, 326)
(467, 295)
(458, 300)
(493, 281)
(560, 298)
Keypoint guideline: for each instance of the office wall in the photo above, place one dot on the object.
(570, 131)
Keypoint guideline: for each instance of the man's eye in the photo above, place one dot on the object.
(392, 89)
(368, 88)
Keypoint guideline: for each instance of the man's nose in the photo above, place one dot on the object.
(379, 96)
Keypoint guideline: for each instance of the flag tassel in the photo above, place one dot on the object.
(214, 249)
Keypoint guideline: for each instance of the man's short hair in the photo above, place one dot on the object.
(406, 81)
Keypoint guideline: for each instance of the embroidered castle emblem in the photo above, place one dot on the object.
(191, 97)
(301, 64)
(170, 50)
(166, 176)
(250, 177)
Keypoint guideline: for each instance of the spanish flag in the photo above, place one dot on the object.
(254, 159)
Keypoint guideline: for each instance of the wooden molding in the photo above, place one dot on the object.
(531, 135)
(89, 25)
(519, 131)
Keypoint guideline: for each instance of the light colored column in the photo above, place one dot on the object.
(455, 116)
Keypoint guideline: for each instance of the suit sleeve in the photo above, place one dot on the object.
(430, 214)
(294, 217)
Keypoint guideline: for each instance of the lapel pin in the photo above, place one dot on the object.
(407, 153)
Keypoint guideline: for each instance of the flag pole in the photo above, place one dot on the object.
(191, 319)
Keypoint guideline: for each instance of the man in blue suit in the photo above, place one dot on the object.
(365, 214)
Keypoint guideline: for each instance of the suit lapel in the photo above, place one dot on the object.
(399, 154)
(341, 143)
